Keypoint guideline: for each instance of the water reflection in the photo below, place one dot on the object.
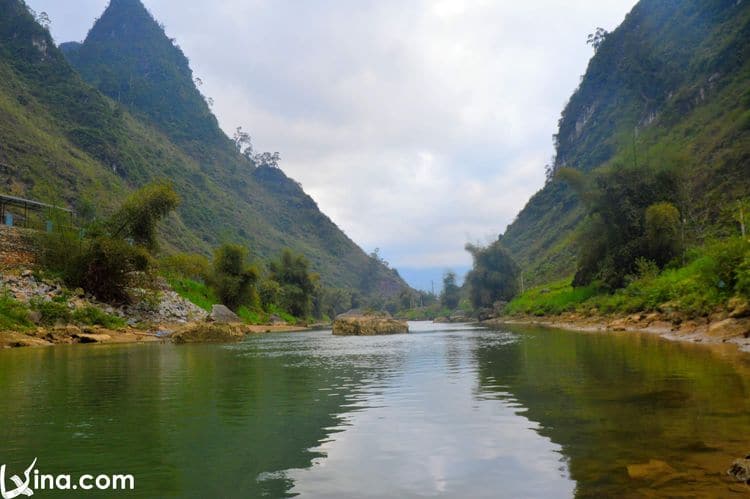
(446, 410)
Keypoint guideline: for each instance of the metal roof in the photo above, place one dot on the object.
(28, 202)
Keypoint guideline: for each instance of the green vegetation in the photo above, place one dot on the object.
(551, 299)
(93, 316)
(131, 113)
(451, 292)
(196, 292)
(295, 283)
(712, 276)
(233, 280)
(14, 315)
(111, 255)
(667, 90)
(494, 276)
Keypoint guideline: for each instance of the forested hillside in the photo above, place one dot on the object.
(130, 113)
(668, 89)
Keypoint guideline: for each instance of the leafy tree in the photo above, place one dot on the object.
(297, 283)
(141, 212)
(269, 159)
(614, 234)
(233, 279)
(596, 38)
(451, 291)
(662, 227)
(494, 276)
(106, 259)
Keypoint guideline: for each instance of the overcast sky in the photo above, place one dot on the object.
(417, 125)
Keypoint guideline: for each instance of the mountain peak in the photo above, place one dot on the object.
(128, 57)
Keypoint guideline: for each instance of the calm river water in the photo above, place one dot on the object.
(447, 410)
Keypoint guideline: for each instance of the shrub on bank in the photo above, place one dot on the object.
(93, 316)
(14, 315)
(711, 276)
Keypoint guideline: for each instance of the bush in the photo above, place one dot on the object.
(743, 277)
(186, 265)
(14, 315)
(93, 316)
(494, 276)
(139, 215)
(269, 292)
(51, 312)
(107, 268)
(233, 280)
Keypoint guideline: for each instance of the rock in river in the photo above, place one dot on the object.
(208, 332)
(368, 324)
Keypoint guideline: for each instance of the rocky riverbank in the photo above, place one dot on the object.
(156, 315)
(730, 327)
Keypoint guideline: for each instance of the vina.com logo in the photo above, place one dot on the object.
(33, 480)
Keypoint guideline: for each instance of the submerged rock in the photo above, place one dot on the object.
(652, 470)
(740, 470)
(208, 332)
(355, 323)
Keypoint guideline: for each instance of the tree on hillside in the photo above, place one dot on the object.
(113, 256)
(450, 296)
(139, 215)
(615, 233)
(269, 159)
(494, 276)
(233, 279)
(298, 284)
(597, 38)
(662, 230)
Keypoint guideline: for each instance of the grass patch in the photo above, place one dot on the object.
(551, 299)
(712, 275)
(14, 315)
(195, 292)
(93, 316)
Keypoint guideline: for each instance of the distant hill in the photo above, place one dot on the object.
(671, 84)
(120, 110)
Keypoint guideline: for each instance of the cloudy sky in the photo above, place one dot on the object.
(417, 125)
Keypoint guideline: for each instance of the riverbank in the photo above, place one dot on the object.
(71, 334)
(716, 330)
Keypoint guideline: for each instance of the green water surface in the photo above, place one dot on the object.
(445, 411)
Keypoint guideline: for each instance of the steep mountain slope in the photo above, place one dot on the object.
(670, 85)
(63, 141)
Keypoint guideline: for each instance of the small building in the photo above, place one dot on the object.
(29, 214)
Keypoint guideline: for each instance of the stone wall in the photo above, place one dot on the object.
(16, 247)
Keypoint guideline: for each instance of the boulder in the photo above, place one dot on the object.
(354, 323)
(222, 315)
(738, 307)
(208, 332)
(275, 320)
(740, 470)
(729, 328)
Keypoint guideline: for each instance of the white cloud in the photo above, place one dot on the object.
(416, 125)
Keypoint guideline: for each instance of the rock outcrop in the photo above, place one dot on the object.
(740, 470)
(222, 315)
(209, 332)
(355, 323)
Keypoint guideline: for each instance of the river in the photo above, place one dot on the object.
(447, 410)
